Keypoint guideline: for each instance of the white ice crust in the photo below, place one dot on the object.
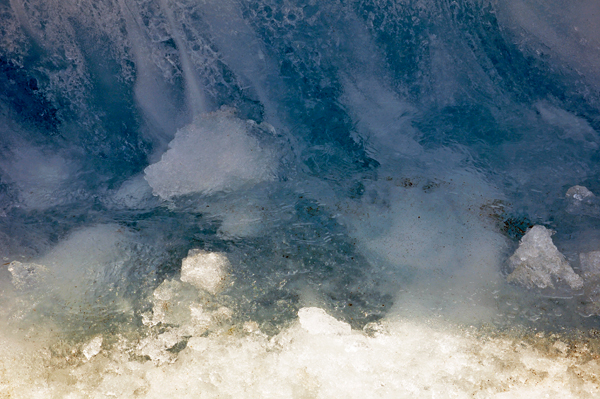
(538, 263)
(403, 359)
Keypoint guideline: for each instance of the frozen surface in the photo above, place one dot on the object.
(582, 201)
(317, 356)
(299, 199)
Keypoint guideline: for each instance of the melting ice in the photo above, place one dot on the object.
(299, 199)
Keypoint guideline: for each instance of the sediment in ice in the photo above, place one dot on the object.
(392, 359)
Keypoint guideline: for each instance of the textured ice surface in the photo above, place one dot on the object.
(390, 359)
(590, 263)
(40, 176)
(214, 153)
(579, 193)
(299, 199)
(538, 263)
(26, 275)
(582, 201)
(85, 278)
(92, 348)
(205, 270)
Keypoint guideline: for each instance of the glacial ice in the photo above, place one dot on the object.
(205, 270)
(84, 276)
(582, 201)
(92, 348)
(41, 177)
(299, 199)
(393, 362)
(590, 264)
(537, 263)
(214, 153)
(26, 275)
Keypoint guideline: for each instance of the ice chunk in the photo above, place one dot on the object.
(157, 347)
(205, 270)
(165, 298)
(92, 348)
(582, 201)
(578, 193)
(134, 193)
(201, 319)
(317, 321)
(590, 264)
(538, 263)
(214, 153)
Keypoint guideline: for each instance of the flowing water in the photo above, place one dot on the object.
(299, 199)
